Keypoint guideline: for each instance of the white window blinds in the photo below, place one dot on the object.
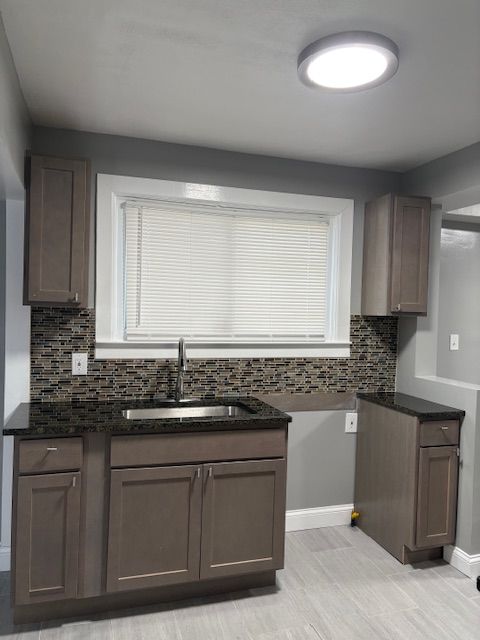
(213, 274)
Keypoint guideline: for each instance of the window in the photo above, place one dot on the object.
(224, 275)
(234, 278)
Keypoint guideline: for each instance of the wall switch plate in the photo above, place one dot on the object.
(454, 342)
(351, 422)
(79, 364)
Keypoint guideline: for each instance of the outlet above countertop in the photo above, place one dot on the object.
(68, 418)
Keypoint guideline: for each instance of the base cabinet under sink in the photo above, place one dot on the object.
(154, 527)
(243, 522)
(102, 521)
(186, 523)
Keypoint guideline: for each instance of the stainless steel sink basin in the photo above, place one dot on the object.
(213, 411)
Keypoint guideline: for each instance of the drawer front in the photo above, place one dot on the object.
(439, 433)
(52, 454)
(138, 451)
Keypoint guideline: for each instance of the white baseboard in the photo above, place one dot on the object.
(331, 516)
(4, 558)
(469, 565)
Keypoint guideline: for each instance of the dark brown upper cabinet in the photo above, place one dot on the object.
(57, 232)
(395, 256)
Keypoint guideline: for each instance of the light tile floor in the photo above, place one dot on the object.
(337, 585)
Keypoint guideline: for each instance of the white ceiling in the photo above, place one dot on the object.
(222, 73)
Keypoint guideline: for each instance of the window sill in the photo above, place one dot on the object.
(145, 351)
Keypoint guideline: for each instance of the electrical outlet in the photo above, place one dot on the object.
(79, 364)
(454, 342)
(351, 423)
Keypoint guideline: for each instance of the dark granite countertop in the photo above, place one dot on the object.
(70, 418)
(421, 409)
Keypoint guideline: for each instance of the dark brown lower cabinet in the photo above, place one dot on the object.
(159, 530)
(437, 496)
(47, 537)
(243, 522)
(168, 517)
(406, 479)
(154, 528)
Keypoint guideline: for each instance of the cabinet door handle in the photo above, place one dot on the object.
(52, 448)
(210, 472)
(198, 472)
(75, 298)
(74, 481)
(399, 307)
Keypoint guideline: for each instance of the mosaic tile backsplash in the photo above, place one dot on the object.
(57, 333)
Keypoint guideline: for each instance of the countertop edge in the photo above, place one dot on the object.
(430, 412)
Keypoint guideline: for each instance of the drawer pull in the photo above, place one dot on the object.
(444, 428)
(52, 448)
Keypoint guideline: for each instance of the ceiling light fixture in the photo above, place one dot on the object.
(349, 61)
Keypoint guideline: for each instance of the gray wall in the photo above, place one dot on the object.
(459, 303)
(14, 124)
(3, 217)
(14, 139)
(148, 159)
(454, 172)
(321, 460)
(453, 182)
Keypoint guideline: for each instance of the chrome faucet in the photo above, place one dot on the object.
(181, 368)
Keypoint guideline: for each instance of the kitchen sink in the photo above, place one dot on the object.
(213, 411)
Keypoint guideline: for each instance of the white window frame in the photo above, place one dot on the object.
(112, 191)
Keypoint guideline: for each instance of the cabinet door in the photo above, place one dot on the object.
(243, 524)
(409, 277)
(154, 530)
(57, 232)
(377, 233)
(47, 537)
(437, 496)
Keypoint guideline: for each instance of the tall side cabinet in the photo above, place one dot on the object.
(57, 232)
(395, 256)
(406, 481)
